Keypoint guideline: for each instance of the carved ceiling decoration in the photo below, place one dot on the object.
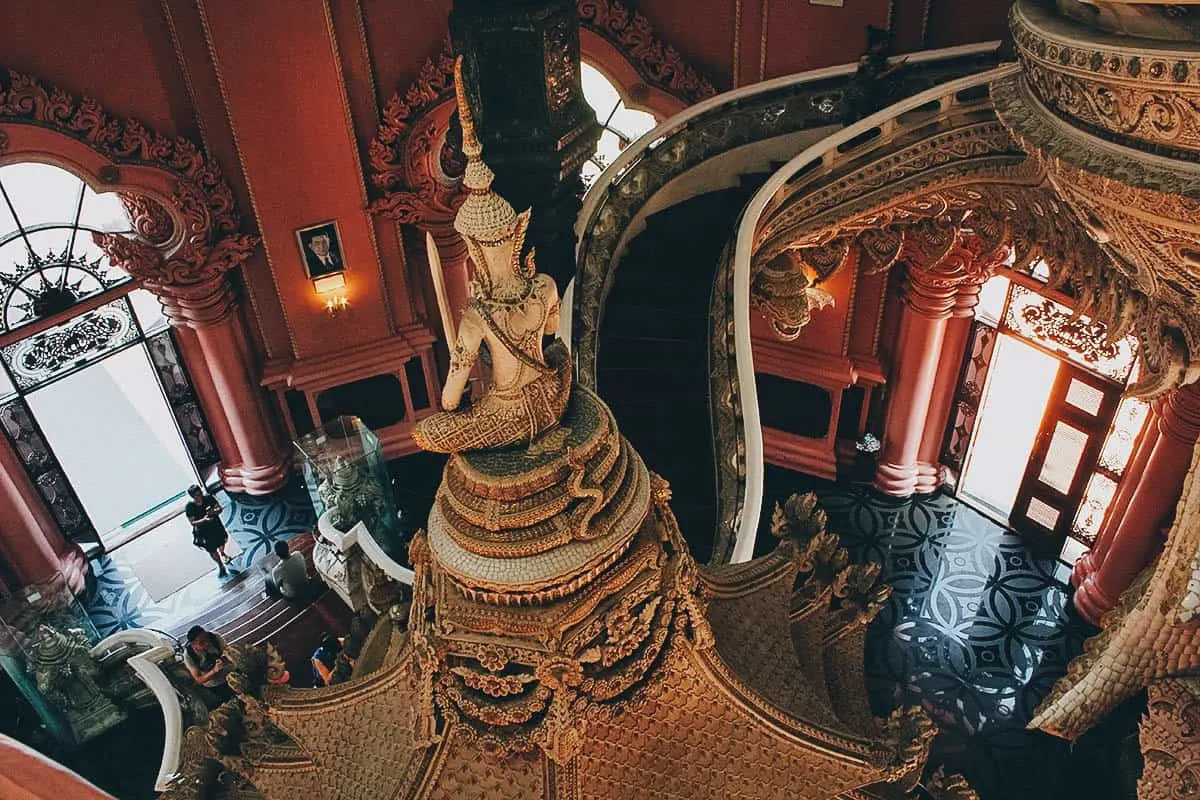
(659, 64)
(414, 169)
(1113, 123)
(1110, 86)
(971, 172)
(202, 240)
(406, 158)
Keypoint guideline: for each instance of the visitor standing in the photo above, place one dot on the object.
(204, 512)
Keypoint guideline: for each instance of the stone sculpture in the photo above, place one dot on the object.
(511, 308)
(561, 640)
(351, 496)
(65, 673)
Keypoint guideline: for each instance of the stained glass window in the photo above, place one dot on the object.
(72, 344)
(1060, 330)
(48, 261)
(1096, 499)
(622, 125)
(1122, 436)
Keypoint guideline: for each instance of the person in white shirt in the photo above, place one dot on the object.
(290, 575)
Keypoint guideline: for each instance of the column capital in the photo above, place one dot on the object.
(1179, 414)
(191, 277)
(947, 266)
(200, 304)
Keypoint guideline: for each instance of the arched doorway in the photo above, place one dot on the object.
(92, 386)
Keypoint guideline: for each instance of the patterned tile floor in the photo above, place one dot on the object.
(976, 632)
(255, 523)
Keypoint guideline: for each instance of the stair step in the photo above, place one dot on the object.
(652, 360)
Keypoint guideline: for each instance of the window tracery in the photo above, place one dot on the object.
(48, 260)
(622, 125)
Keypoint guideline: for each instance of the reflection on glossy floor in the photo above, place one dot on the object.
(254, 523)
(976, 632)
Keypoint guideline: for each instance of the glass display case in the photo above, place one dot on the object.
(347, 479)
(45, 643)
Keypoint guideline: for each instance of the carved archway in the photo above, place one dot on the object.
(186, 240)
(961, 169)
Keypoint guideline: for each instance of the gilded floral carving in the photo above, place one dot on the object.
(1139, 97)
(203, 241)
(658, 63)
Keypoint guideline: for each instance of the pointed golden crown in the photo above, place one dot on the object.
(485, 216)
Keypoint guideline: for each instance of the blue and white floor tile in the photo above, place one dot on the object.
(976, 632)
(254, 523)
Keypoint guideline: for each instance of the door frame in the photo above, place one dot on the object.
(1096, 426)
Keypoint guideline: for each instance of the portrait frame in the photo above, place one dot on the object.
(313, 266)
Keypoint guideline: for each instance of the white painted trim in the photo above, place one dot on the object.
(375, 554)
(671, 125)
(359, 536)
(146, 665)
(747, 530)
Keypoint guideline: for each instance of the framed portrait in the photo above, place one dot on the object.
(321, 249)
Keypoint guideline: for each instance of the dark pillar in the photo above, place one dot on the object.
(521, 71)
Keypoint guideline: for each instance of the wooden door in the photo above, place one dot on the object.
(1078, 415)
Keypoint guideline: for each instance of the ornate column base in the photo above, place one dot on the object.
(1084, 567)
(897, 480)
(1091, 602)
(257, 480)
(929, 478)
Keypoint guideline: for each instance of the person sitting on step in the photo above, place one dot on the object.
(289, 577)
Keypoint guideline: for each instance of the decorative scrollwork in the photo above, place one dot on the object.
(658, 63)
(206, 220)
(1145, 99)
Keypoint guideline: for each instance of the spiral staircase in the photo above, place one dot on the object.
(653, 318)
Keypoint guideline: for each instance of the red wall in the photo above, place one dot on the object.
(284, 94)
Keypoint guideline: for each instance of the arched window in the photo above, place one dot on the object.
(91, 382)
(622, 125)
(48, 261)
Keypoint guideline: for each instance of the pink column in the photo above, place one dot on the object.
(1087, 563)
(253, 458)
(1137, 538)
(31, 545)
(927, 308)
(945, 386)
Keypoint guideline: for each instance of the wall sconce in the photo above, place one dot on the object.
(336, 305)
(332, 289)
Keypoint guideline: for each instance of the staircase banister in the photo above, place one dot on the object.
(669, 127)
(747, 527)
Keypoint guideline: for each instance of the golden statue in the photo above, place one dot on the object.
(512, 307)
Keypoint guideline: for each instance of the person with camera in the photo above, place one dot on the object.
(204, 512)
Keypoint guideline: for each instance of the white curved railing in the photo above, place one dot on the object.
(648, 141)
(146, 666)
(360, 536)
(824, 150)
